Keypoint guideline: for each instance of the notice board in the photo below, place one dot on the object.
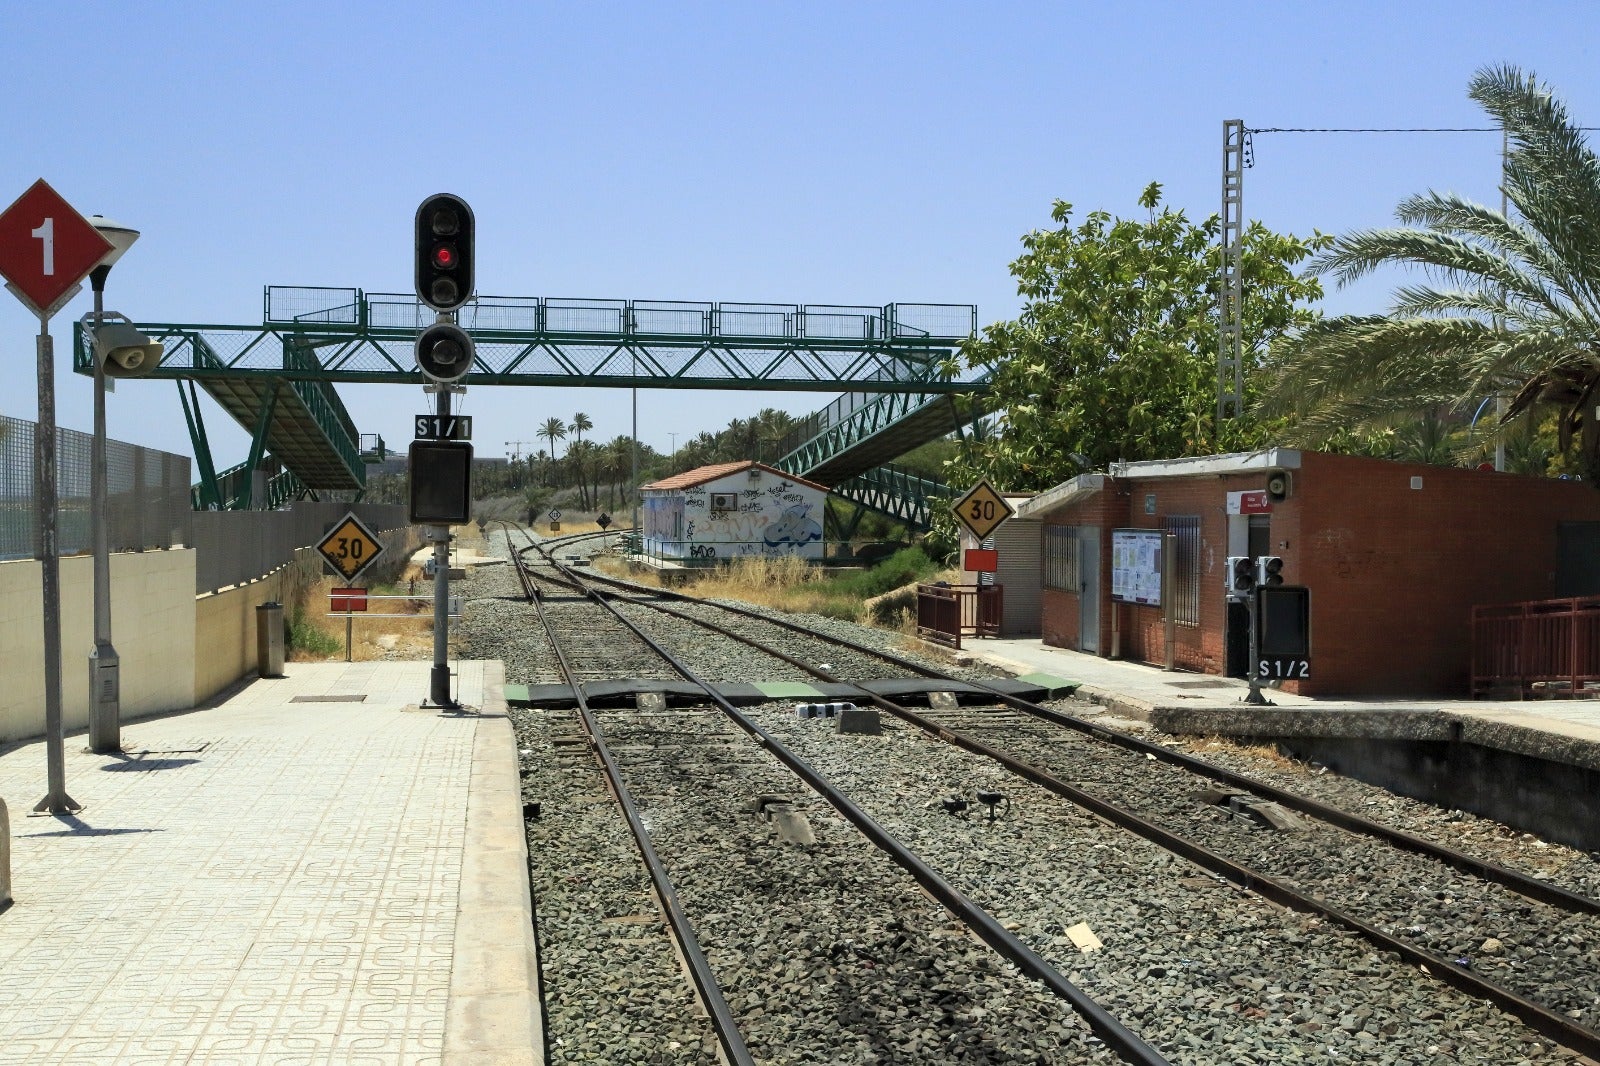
(1136, 566)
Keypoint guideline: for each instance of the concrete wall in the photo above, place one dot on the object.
(225, 632)
(152, 628)
(225, 621)
(177, 649)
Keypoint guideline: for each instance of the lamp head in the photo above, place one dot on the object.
(120, 236)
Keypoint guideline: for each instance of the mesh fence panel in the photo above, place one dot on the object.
(147, 501)
(232, 547)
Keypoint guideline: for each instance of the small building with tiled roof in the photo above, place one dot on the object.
(714, 514)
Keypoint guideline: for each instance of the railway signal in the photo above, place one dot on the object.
(445, 352)
(1241, 576)
(445, 230)
(1269, 571)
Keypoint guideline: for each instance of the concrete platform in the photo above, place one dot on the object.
(1534, 764)
(278, 878)
(1183, 702)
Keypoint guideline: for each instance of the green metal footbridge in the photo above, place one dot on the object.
(277, 379)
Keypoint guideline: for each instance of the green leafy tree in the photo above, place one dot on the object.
(1512, 307)
(1114, 356)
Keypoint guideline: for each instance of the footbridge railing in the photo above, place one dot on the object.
(900, 494)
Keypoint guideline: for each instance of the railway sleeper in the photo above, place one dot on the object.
(1246, 807)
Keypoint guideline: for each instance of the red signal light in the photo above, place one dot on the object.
(444, 256)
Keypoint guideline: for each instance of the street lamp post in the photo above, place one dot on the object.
(105, 709)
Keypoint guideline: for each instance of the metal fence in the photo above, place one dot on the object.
(147, 504)
(946, 613)
(1551, 646)
(232, 547)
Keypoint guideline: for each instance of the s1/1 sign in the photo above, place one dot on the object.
(443, 427)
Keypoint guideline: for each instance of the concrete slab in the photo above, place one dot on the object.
(335, 878)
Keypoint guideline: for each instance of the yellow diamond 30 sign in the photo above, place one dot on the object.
(350, 547)
(982, 510)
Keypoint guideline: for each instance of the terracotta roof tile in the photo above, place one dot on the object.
(702, 474)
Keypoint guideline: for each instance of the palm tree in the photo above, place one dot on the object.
(1516, 309)
(579, 423)
(553, 430)
(618, 461)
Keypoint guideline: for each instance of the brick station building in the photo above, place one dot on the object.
(1395, 556)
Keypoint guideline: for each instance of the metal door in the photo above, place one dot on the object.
(1089, 589)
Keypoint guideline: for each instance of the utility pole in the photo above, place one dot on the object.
(1230, 336)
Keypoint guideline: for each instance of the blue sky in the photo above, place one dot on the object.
(818, 152)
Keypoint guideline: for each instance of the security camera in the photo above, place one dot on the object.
(124, 352)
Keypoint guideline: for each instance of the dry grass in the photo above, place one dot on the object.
(1261, 752)
(370, 638)
(386, 638)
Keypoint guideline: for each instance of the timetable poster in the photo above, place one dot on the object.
(1136, 566)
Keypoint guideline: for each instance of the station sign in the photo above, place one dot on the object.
(983, 510)
(46, 247)
(350, 547)
(1254, 501)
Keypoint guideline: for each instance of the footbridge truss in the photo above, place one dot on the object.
(277, 379)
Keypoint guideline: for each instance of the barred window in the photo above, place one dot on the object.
(1185, 592)
(1061, 558)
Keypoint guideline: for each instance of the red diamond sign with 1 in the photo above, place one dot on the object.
(46, 247)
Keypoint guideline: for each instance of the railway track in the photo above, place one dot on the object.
(1152, 791)
(679, 750)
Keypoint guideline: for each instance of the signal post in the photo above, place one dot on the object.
(440, 459)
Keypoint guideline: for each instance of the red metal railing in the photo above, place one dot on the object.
(1551, 642)
(946, 613)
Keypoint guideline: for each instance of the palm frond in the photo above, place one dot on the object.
(1455, 214)
(1551, 174)
(1460, 260)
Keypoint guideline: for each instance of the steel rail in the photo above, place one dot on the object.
(722, 1019)
(1117, 1036)
(1536, 1016)
(1521, 883)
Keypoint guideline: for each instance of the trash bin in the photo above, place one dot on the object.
(269, 639)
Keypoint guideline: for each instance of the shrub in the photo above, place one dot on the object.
(304, 636)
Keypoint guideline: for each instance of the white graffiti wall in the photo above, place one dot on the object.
(735, 517)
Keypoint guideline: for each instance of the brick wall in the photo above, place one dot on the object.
(1393, 570)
